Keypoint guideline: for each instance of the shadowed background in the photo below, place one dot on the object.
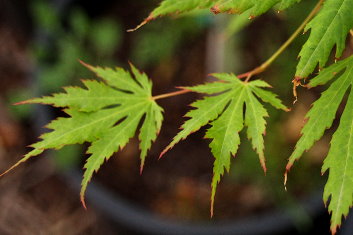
(40, 44)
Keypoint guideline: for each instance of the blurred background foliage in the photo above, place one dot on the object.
(176, 51)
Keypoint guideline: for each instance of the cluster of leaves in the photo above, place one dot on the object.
(328, 29)
(107, 114)
(339, 160)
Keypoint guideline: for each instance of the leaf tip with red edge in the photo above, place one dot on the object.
(263, 165)
(141, 167)
(21, 102)
(289, 166)
(82, 199)
(211, 209)
(162, 153)
(90, 67)
(148, 19)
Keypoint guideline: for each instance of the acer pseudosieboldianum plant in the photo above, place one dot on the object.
(107, 113)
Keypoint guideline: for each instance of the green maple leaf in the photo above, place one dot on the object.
(106, 114)
(169, 7)
(252, 8)
(224, 111)
(329, 28)
(179, 6)
(284, 4)
(255, 7)
(339, 160)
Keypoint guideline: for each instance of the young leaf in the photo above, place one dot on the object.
(106, 114)
(224, 111)
(339, 160)
(329, 28)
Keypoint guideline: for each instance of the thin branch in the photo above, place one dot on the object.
(268, 62)
(170, 94)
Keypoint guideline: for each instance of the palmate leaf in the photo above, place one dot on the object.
(339, 161)
(252, 7)
(224, 111)
(106, 114)
(329, 28)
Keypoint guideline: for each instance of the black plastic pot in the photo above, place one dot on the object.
(138, 220)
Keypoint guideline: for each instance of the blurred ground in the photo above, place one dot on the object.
(44, 205)
(34, 199)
